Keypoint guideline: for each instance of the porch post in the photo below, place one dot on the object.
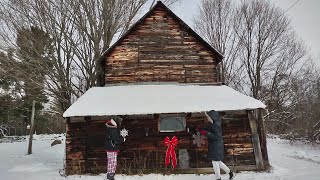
(255, 140)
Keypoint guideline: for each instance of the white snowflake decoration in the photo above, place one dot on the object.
(198, 139)
(124, 133)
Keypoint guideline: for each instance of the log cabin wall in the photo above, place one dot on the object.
(76, 149)
(143, 154)
(161, 49)
(238, 140)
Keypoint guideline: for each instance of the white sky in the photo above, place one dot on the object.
(305, 17)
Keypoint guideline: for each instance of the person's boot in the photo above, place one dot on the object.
(231, 175)
(110, 176)
(106, 177)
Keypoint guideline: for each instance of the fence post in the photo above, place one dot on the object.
(31, 128)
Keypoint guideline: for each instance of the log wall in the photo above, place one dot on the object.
(142, 154)
(76, 141)
(160, 49)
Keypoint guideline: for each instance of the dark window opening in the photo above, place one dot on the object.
(172, 124)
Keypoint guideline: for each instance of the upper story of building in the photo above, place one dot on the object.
(160, 47)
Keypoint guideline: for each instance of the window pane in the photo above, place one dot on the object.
(172, 124)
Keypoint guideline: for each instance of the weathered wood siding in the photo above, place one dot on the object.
(76, 141)
(141, 153)
(237, 140)
(159, 49)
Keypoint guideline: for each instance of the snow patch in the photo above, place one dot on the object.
(36, 167)
(290, 161)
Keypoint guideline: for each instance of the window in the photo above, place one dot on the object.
(172, 124)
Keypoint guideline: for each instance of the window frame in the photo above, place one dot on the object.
(180, 116)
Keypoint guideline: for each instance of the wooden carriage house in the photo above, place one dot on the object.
(160, 77)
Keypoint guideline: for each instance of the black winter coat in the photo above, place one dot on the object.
(215, 139)
(113, 139)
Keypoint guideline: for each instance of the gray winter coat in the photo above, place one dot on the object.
(215, 139)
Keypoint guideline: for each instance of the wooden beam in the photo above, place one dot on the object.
(255, 141)
(32, 127)
(68, 120)
(262, 136)
(86, 164)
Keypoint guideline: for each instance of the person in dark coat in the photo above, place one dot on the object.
(112, 145)
(215, 144)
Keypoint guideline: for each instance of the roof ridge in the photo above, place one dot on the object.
(184, 25)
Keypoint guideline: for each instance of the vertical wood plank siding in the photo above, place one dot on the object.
(160, 50)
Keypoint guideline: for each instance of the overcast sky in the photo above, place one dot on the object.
(305, 17)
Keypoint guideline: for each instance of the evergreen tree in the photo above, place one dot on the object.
(9, 94)
(34, 50)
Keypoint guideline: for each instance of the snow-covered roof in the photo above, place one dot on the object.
(153, 99)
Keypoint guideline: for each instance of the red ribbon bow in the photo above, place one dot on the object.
(170, 151)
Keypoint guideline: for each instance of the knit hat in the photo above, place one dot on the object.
(111, 122)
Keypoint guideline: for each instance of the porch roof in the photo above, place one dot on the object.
(156, 99)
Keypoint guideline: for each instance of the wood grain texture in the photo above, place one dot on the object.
(141, 152)
(160, 50)
(255, 141)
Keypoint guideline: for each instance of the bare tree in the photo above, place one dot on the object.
(258, 43)
(215, 21)
(80, 32)
(269, 48)
(305, 106)
(264, 58)
(299, 116)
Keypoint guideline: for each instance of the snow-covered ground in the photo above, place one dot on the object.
(290, 161)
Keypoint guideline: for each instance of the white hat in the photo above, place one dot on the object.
(111, 122)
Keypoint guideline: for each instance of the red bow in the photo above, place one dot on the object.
(170, 151)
